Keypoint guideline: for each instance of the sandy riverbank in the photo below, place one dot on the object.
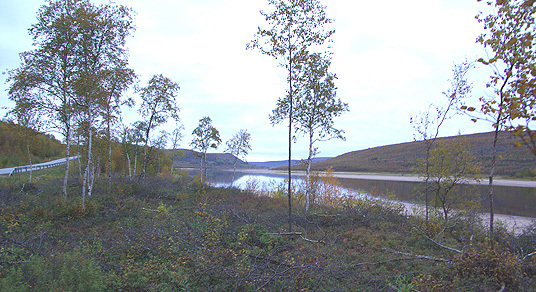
(394, 177)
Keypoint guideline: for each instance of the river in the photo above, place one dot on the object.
(508, 200)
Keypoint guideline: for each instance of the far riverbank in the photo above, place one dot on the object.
(397, 177)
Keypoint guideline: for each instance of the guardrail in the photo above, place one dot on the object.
(39, 166)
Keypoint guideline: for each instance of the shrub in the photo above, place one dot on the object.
(502, 267)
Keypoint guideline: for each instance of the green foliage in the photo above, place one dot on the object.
(487, 262)
(449, 166)
(13, 146)
(509, 38)
(205, 136)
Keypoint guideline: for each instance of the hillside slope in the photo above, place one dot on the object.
(13, 143)
(214, 161)
(401, 158)
(279, 163)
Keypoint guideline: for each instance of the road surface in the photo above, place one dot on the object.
(36, 166)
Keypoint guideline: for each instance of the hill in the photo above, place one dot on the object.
(401, 158)
(214, 161)
(280, 163)
(13, 146)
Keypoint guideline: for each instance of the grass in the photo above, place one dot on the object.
(180, 236)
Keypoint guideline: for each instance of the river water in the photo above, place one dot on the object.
(516, 201)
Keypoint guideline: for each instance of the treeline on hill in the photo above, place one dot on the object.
(402, 158)
(13, 146)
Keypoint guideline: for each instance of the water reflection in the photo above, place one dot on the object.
(508, 200)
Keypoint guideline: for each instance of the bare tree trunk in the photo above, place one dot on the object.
(135, 159)
(129, 170)
(85, 182)
(30, 160)
(204, 168)
(79, 162)
(308, 173)
(94, 169)
(491, 175)
(67, 163)
(494, 156)
(171, 168)
(144, 158)
(201, 168)
(109, 158)
(234, 170)
(290, 143)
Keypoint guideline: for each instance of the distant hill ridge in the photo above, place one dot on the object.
(401, 158)
(214, 161)
(279, 163)
(226, 161)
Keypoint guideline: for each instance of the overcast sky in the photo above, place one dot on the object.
(392, 59)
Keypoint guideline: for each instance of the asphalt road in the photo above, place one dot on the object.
(38, 165)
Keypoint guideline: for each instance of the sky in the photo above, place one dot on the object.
(393, 58)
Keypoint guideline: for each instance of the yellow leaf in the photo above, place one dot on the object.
(464, 107)
(471, 109)
(511, 42)
(517, 144)
(500, 2)
(473, 120)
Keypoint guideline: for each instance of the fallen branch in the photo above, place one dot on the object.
(326, 215)
(529, 255)
(310, 240)
(150, 210)
(423, 257)
(439, 244)
(285, 233)
(379, 263)
(298, 234)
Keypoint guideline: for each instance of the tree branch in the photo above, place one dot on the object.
(422, 257)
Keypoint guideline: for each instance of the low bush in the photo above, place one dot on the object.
(159, 235)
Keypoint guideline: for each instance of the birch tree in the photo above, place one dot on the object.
(48, 72)
(428, 123)
(238, 146)
(101, 33)
(509, 40)
(176, 138)
(205, 136)
(116, 81)
(158, 104)
(317, 106)
(293, 26)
